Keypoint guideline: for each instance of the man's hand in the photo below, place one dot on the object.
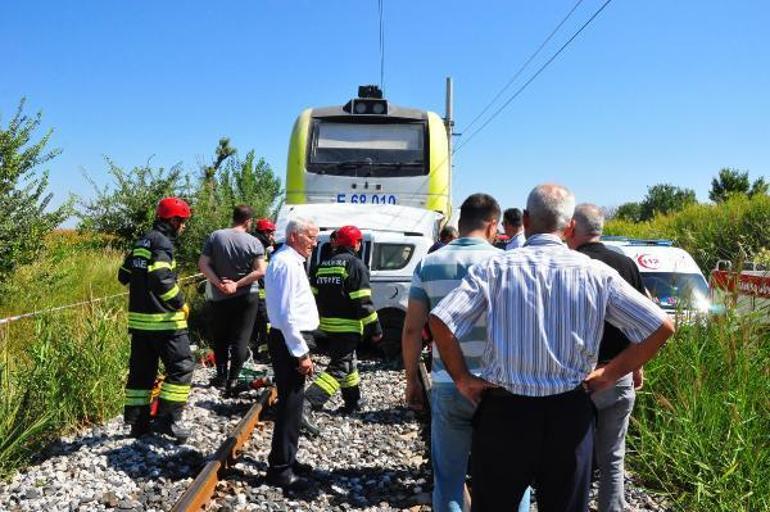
(472, 388)
(227, 287)
(305, 366)
(415, 399)
(638, 378)
(377, 338)
(598, 380)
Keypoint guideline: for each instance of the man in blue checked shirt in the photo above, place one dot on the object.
(545, 307)
(451, 413)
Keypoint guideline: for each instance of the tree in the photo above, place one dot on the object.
(665, 198)
(235, 181)
(629, 211)
(732, 181)
(24, 219)
(126, 209)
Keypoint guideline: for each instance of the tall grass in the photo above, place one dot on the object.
(70, 373)
(701, 427)
(67, 368)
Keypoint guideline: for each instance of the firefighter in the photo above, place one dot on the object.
(264, 232)
(157, 321)
(341, 286)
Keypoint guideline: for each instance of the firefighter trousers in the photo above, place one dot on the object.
(261, 331)
(340, 375)
(147, 349)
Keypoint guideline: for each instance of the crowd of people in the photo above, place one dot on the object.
(539, 342)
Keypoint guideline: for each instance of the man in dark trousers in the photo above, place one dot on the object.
(157, 321)
(613, 405)
(233, 261)
(344, 297)
(293, 315)
(545, 306)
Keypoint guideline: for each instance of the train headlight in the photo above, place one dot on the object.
(360, 107)
(378, 108)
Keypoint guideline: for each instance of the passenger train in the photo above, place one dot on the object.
(369, 151)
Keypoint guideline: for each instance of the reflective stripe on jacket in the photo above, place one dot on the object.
(155, 300)
(344, 297)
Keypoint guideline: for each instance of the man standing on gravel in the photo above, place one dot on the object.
(545, 307)
(157, 321)
(233, 260)
(292, 312)
(451, 414)
(613, 405)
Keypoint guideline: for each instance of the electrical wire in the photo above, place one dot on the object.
(523, 67)
(531, 79)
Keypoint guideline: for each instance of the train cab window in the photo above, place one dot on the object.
(368, 149)
(391, 256)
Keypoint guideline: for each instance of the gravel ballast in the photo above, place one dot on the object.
(373, 460)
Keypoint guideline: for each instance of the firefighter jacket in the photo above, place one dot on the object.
(341, 287)
(268, 251)
(155, 301)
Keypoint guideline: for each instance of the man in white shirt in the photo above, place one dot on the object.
(292, 311)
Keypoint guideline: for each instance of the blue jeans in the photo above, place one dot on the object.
(451, 431)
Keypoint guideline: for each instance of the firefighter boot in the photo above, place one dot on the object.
(139, 419)
(167, 421)
(353, 400)
(221, 377)
(307, 426)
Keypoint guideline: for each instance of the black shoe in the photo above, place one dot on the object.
(217, 381)
(235, 388)
(139, 429)
(350, 408)
(288, 481)
(171, 429)
(307, 426)
(300, 468)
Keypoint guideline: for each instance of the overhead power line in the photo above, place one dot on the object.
(521, 89)
(523, 67)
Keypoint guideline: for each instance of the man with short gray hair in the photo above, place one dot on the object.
(293, 315)
(613, 405)
(545, 307)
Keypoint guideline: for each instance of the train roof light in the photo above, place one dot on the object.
(367, 106)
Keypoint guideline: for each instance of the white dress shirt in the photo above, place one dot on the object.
(516, 241)
(545, 306)
(290, 304)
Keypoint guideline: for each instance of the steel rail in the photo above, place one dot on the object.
(200, 491)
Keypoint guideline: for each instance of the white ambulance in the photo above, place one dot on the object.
(670, 274)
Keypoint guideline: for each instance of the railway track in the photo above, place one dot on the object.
(233, 471)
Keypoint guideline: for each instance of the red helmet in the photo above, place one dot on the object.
(170, 207)
(265, 225)
(347, 236)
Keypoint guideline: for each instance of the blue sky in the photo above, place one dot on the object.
(653, 91)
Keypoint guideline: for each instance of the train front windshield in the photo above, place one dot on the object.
(368, 149)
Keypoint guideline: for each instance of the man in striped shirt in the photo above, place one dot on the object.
(545, 307)
(438, 274)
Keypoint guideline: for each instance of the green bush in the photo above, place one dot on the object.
(700, 427)
(735, 229)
